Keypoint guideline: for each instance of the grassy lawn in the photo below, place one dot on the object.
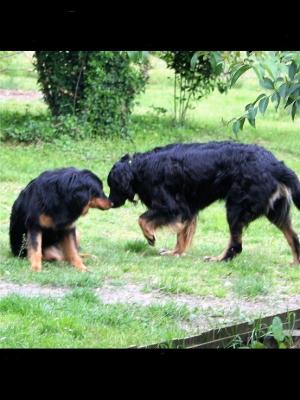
(120, 254)
(80, 320)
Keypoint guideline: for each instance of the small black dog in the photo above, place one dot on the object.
(43, 216)
(178, 180)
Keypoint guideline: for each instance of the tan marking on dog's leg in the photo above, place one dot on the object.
(35, 251)
(290, 236)
(185, 234)
(71, 253)
(148, 229)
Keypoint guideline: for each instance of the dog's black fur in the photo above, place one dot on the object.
(178, 180)
(50, 204)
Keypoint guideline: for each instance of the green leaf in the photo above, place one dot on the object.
(282, 90)
(252, 111)
(277, 329)
(276, 97)
(236, 126)
(289, 101)
(218, 69)
(251, 121)
(259, 97)
(259, 71)
(263, 104)
(257, 345)
(294, 110)
(194, 59)
(238, 73)
(293, 88)
(242, 121)
(292, 70)
(267, 83)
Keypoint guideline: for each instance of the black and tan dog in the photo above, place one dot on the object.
(43, 216)
(178, 180)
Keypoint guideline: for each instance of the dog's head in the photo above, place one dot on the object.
(82, 189)
(120, 180)
(94, 187)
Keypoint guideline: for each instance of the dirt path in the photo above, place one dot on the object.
(15, 94)
(207, 311)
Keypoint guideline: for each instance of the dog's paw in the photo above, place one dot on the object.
(151, 240)
(81, 268)
(166, 252)
(36, 268)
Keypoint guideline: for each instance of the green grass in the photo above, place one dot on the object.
(121, 255)
(17, 72)
(80, 320)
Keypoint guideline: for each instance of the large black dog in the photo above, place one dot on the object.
(178, 180)
(43, 216)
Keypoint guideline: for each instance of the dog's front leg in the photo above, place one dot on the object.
(34, 250)
(70, 250)
(147, 225)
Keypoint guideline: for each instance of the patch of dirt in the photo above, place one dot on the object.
(15, 94)
(31, 290)
(207, 311)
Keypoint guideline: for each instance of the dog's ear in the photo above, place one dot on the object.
(126, 157)
(126, 179)
(79, 198)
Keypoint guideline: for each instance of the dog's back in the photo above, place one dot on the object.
(218, 163)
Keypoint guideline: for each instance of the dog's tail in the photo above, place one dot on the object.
(296, 195)
(290, 180)
(17, 231)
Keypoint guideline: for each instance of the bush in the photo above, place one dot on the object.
(99, 87)
(47, 128)
(112, 84)
(61, 75)
(189, 82)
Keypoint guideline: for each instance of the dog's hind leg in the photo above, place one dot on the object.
(34, 250)
(237, 219)
(185, 234)
(233, 248)
(280, 217)
(293, 240)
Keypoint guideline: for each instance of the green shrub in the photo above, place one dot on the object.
(98, 87)
(61, 76)
(112, 84)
